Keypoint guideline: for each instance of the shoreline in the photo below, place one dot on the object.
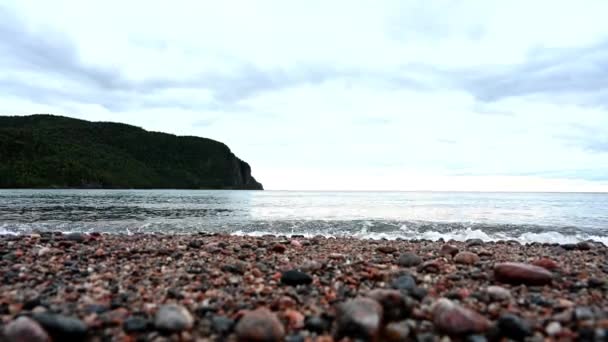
(160, 287)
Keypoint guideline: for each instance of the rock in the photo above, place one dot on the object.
(466, 258)
(431, 266)
(395, 306)
(135, 324)
(316, 324)
(584, 246)
(498, 293)
(405, 282)
(386, 249)
(358, 318)
(396, 332)
(76, 237)
(476, 338)
(409, 260)
(454, 319)
(448, 250)
(172, 318)
(62, 328)
(295, 338)
(520, 273)
(583, 313)
(222, 324)
(553, 328)
(295, 278)
(514, 327)
(25, 329)
(595, 282)
(279, 248)
(295, 320)
(546, 263)
(44, 251)
(260, 325)
(474, 242)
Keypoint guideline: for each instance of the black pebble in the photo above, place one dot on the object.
(514, 327)
(62, 328)
(294, 278)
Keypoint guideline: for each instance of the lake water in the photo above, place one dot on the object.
(545, 217)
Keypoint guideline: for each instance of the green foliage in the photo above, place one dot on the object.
(42, 151)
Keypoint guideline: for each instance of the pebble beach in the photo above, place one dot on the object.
(213, 287)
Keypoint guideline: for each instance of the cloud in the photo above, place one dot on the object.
(351, 91)
(548, 73)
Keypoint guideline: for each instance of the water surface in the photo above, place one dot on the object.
(554, 217)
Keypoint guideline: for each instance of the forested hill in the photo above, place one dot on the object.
(47, 151)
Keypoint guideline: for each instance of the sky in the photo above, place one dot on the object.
(470, 95)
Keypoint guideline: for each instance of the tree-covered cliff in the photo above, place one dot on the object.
(47, 151)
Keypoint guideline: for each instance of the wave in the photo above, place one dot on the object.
(361, 229)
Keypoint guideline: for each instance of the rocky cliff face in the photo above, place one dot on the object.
(46, 151)
(242, 176)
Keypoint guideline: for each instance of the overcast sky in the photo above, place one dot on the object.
(357, 95)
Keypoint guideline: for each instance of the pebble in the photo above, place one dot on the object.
(466, 258)
(76, 237)
(546, 263)
(25, 329)
(396, 332)
(514, 327)
(295, 278)
(62, 328)
(520, 273)
(386, 249)
(222, 324)
(395, 306)
(553, 328)
(583, 313)
(359, 318)
(448, 250)
(474, 242)
(279, 248)
(135, 324)
(409, 260)
(498, 293)
(404, 282)
(454, 319)
(316, 324)
(295, 320)
(260, 325)
(173, 318)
